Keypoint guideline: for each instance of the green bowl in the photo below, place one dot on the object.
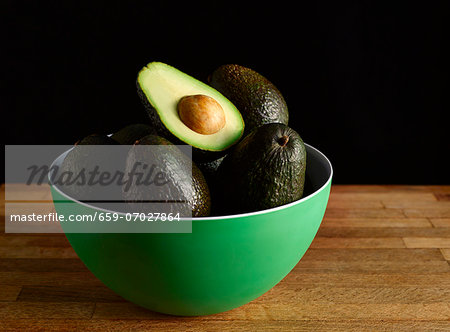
(224, 263)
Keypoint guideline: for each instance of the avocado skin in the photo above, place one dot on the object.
(79, 159)
(96, 139)
(198, 155)
(174, 163)
(260, 173)
(159, 127)
(256, 98)
(210, 170)
(131, 133)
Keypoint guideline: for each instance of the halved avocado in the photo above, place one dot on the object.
(161, 87)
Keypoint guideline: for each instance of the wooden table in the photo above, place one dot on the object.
(379, 262)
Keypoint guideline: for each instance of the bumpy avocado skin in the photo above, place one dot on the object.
(83, 160)
(130, 134)
(256, 98)
(210, 170)
(260, 173)
(155, 121)
(174, 165)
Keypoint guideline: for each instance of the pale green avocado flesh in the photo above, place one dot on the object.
(164, 86)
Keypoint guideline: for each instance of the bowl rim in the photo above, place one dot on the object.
(214, 218)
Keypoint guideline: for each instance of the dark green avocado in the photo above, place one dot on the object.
(182, 180)
(131, 133)
(266, 169)
(85, 156)
(210, 171)
(256, 98)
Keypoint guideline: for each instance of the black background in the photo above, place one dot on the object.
(364, 81)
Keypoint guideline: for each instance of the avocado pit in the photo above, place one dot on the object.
(202, 114)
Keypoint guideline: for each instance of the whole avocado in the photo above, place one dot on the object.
(183, 180)
(86, 155)
(256, 98)
(266, 169)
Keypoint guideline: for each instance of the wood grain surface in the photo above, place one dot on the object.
(378, 263)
